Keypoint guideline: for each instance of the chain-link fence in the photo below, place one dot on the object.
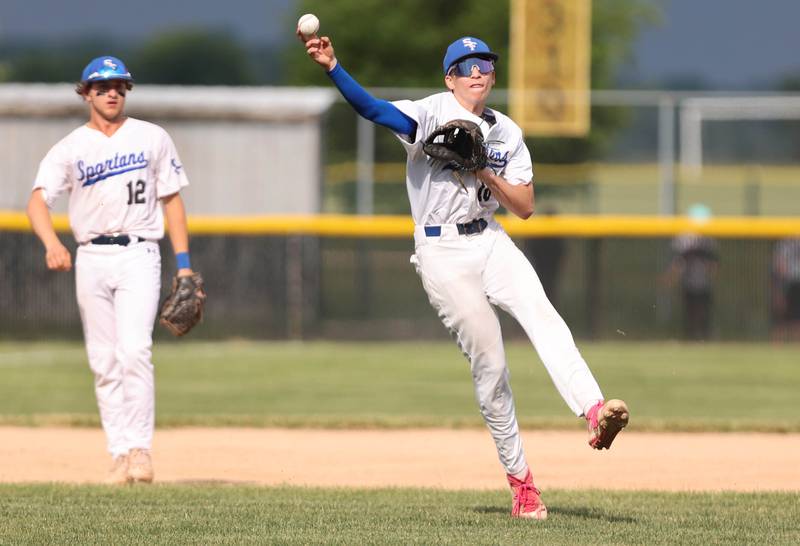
(637, 158)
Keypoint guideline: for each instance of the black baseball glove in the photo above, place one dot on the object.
(458, 142)
(183, 308)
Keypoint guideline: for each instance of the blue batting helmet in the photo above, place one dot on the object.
(105, 68)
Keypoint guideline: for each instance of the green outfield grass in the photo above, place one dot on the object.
(667, 385)
(224, 514)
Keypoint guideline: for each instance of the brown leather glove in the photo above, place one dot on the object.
(183, 308)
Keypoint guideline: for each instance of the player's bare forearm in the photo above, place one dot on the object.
(57, 256)
(175, 214)
(320, 50)
(516, 198)
(39, 216)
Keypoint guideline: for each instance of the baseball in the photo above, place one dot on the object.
(308, 24)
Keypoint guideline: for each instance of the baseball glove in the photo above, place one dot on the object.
(183, 308)
(458, 142)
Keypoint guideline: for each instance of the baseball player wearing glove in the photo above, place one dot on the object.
(119, 173)
(464, 160)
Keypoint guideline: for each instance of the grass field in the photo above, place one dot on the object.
(667, 385)
(209, 514)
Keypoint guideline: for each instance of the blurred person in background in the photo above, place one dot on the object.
(694, 265)
(119, 172)
(786, 275)
(466, 261)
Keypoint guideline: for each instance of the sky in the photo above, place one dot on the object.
(731, 44)
(253, 20)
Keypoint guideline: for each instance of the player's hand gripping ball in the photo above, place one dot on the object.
(183, 308)
(458, 142)
(308, 25)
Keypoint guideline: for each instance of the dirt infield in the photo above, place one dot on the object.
(449, 459)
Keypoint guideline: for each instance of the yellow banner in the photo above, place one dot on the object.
(550, 66)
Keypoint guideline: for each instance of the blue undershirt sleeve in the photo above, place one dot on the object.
(376, 110)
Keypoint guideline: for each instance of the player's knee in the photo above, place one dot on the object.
(490, 376)
(477, 335)
(135, 356)
(496, 402)
(488, 362)
(101, 359)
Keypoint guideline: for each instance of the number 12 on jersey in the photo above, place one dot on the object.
(136, 192)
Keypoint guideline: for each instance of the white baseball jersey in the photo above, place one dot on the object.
(114, 182)
(435, 193)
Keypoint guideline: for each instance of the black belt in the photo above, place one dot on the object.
(470, 228)
(122, 240)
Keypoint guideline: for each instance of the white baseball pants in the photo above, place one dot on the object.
(464, 275)
(118, 289)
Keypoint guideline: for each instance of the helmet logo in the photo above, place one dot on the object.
(470, 43)
(109, 63)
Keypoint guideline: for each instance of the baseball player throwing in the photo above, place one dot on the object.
(116, 170)
(467, 263)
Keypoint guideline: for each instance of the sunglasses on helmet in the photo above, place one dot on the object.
(464, 68)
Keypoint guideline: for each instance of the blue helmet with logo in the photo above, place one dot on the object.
(105, 68)
(467, 46)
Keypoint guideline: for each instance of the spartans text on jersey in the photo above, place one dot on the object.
(497, 159)
(120, 163)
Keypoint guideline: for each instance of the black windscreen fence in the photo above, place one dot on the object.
(308, 287)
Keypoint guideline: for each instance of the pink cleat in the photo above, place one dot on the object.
(527, 501)
(605, 421)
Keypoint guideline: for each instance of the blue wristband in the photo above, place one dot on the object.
(183, 260)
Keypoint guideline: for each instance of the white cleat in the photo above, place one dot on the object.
(140, 466)
(118, 475)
